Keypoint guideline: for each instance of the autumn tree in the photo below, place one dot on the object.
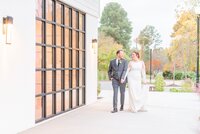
(148, 36)
(106, 51)
(182, 51)
(159, 60)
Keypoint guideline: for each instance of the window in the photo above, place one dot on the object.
(60, 58)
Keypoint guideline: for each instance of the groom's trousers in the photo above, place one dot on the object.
(116, 85)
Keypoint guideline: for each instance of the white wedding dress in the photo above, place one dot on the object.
(138, 92)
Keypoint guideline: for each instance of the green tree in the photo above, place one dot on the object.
(148, 36)
(114, 22)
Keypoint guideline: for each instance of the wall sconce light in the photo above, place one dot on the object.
(8, 28)
(94, 45)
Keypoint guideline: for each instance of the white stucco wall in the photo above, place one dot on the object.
(91, 60)
(17, 62)
(17, 68)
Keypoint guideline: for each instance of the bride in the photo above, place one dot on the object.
(136, 84)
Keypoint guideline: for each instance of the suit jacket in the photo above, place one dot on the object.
(117, 72)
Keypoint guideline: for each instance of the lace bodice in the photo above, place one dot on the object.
(138, 68)
(135, 66)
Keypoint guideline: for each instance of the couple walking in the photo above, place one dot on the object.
(121, 72)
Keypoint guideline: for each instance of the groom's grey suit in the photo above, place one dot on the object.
(116, 73)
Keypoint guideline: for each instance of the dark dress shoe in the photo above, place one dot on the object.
(114, 110)
(121, 108)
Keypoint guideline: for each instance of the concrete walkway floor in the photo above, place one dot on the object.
(168, 113)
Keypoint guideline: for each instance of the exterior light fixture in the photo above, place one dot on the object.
(94, 45)
(8, 28)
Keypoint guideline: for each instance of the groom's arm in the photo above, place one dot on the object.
(125, 69)
(110, 71)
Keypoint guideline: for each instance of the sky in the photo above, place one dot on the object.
(158, 13)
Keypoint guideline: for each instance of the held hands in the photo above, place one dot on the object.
(122, 80)
(144, 82)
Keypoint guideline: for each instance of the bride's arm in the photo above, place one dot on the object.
(128, 69)
(143, 72)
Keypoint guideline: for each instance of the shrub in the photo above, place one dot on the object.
(180, 90)
(174, 90)
(187, 85)
(191, 75)
(179, 75)
(98, 88)
(187, 90)
(159, 82)
(167, 74)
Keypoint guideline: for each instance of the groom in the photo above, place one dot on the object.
(116, 72)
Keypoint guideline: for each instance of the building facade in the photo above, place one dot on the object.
(50, 67)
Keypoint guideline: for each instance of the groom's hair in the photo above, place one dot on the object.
(118, 51)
